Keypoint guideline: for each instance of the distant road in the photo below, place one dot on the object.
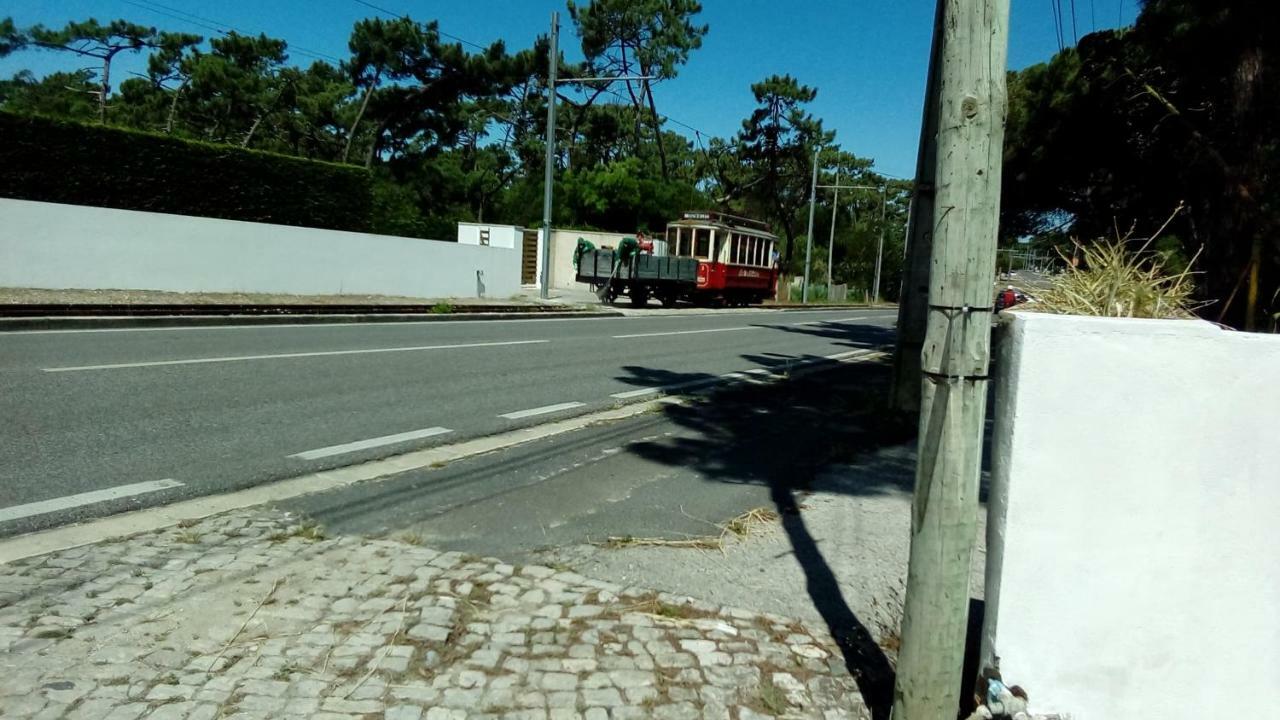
(102, 421)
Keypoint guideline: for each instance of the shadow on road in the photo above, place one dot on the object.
(780, 436)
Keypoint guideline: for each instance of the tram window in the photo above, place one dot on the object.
(759, 253)
(680, 248)
(702, 243)
(755, 251)
(671, 239)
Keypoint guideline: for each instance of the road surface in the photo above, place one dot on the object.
(98, 422)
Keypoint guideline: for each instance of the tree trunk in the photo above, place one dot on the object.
(252, 129)
(1251, 299)
(173, 108)
(657, 130)
(364, 103)
(104, 88)
(373, 145)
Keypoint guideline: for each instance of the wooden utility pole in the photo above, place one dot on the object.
(972, 51)
(913, 300)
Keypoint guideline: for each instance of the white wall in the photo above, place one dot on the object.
(45, 245)
(563, 242)
(503, 236)
(1136, 464)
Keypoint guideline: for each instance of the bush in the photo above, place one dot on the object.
(63, 162)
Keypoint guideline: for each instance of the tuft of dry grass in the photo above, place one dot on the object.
(1113, 281)
(738, 527)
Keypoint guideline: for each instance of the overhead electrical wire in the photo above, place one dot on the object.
(219, 27)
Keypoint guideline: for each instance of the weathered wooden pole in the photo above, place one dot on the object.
(972, 51)
(913, 300)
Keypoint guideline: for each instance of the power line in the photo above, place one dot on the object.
(217, 26)
(438, 30)
(1056, 9)
(1075, 36)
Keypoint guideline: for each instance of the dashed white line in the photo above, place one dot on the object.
(370, 443)
(67, 502)
(541, 410)
(286, 356)
(690, 332)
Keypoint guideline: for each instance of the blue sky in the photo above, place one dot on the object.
(866, 58)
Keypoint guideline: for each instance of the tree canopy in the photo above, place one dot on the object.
(1132, 123)
(456, 133)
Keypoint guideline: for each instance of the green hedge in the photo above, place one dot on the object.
(64, 162)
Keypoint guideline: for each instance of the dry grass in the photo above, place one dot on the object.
(738, 527)
(1113, 281)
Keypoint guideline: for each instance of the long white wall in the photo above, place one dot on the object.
(46, 245)
(1134, 519)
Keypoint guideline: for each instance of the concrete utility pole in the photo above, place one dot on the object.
(831, 240)
(884, 203)
(553, 67)
(971, 87)
(913, 301)
(808, 242)
(553, 64)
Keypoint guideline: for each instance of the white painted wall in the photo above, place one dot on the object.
(1136, 465)
(46, 245)
(563, 242)
(503, 236)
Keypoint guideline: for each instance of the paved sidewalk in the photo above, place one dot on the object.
(250, 615)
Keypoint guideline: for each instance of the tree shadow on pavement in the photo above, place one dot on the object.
(781, 435)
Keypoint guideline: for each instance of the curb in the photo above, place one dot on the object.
(10, 324)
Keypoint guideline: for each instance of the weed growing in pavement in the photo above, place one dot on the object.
(411, 538)
(442, 308)
(187, 536)
(770, 699)
(187, 522)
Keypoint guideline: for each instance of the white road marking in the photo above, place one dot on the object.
(541, 410)
(836, 320)
(96, 496)
(286, 356)
(738, 375)
(690, 332)
(370, 443)
(423, 324)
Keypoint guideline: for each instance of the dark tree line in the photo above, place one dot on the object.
(1181, 108)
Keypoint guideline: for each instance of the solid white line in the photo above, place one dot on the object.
(96, 496)
(402, 323)
(541, 410)
(283, 356)
(837, 320)
(690, 332)
(370, 443)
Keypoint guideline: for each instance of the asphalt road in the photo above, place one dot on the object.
(148, 416)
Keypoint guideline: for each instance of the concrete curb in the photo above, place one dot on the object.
(143, 321)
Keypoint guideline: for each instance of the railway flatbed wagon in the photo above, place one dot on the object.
(638, 276)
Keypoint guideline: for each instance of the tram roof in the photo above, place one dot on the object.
(714, 217)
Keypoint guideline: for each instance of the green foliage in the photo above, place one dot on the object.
(68, 95)
(56, 161)
(1131, 123)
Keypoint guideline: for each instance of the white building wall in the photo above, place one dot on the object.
(1133, 566)
(503, 236)
(46, 245)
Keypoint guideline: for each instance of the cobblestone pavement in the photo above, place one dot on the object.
(252, 615)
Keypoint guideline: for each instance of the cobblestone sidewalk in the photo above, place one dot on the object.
(249, 616)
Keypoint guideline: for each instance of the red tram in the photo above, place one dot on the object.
(736, 257)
